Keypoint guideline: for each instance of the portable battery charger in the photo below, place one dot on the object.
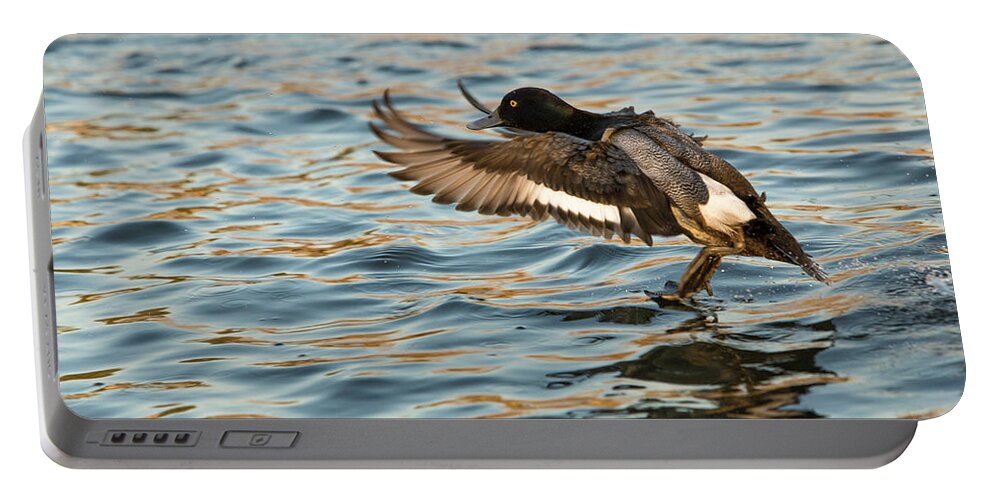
(486, 251)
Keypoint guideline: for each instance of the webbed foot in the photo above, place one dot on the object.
(669, 293)
(671, 297)
(667, 297)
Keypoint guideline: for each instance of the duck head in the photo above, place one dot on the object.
(533, 109)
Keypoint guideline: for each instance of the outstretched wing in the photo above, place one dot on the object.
(591, 186)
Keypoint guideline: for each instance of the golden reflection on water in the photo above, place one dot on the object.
(90, 297)
(244, 227)
(522, 408)
(153, 314)
(466, 369)
(307, 248)
(172, 411)
(829, 305)
(751, 399)
(735, 402)
(765, 149)
(71, 223)
(384, 340)
(149, 386)
(93, 270)
(204, 360)
(86, 129)
(832, 133)
(90, 375)
(617, 356)
(777, 395)
(382, 359)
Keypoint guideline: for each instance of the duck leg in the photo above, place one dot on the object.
(698, 275)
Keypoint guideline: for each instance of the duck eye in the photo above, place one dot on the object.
(513, 103)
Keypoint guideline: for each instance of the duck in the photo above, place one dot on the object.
(618, 173)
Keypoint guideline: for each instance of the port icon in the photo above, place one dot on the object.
(260, 439)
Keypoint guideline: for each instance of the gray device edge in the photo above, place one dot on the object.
(74, 441)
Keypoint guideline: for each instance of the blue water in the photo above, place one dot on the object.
(226, 244)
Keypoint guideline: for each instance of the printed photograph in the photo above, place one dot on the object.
(496, 226)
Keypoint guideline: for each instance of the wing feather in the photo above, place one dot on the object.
(592, 186)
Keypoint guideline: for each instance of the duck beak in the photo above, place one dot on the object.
(493, 120)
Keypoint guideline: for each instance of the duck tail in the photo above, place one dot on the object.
(766, 237)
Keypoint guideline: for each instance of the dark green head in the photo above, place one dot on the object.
(534, 109)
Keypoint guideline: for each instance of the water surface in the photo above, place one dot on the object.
(226, 244)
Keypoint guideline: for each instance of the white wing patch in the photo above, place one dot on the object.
(505, 193)
(572, 210)
(723, 211)
(571, 204)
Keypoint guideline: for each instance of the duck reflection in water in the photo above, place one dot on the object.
(622, 173)
(729, 373)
